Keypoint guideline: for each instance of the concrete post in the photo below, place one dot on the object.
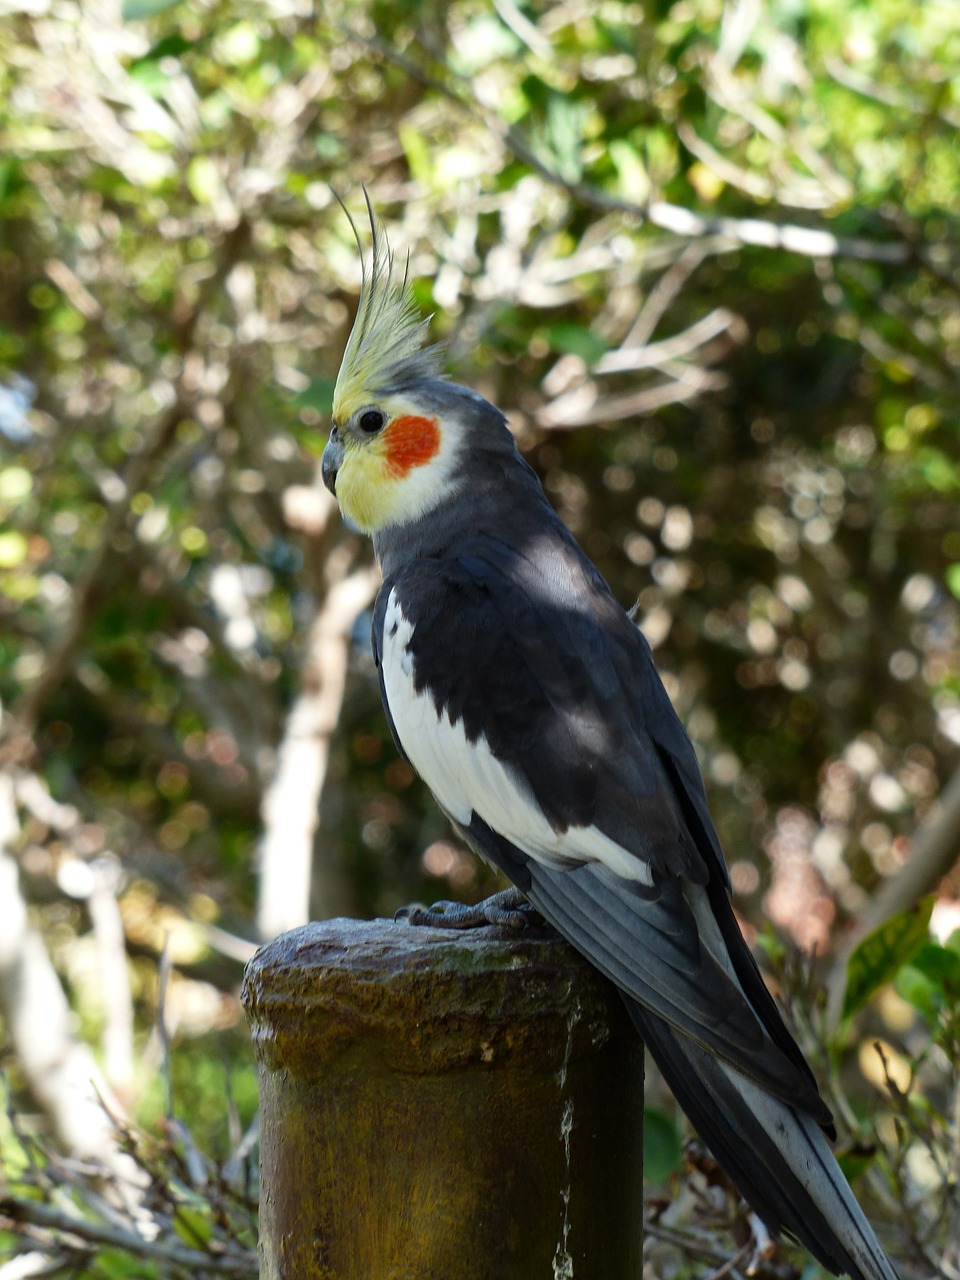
(443, 1105)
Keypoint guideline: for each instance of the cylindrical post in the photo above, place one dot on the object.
(443, 1105)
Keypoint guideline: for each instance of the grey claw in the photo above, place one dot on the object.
(507, 909)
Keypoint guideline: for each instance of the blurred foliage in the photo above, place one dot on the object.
(193, 1214)
(885, 953)
(705, 256)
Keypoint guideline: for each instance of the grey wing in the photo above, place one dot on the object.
(532, 709)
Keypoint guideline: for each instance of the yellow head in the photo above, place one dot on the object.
(388, 453)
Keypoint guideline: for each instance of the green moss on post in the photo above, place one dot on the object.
(443, 1106)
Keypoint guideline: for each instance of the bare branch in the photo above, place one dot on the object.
(810, 242)
(667, 288)
(657, 354)
(114, 974)
(64, 1230)
(752, 184)
(585, 404)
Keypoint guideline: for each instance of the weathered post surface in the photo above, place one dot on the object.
(443, 1105)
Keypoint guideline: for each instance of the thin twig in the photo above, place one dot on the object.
(695, 1244)
(63, 1228)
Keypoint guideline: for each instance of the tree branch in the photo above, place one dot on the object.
(64, 1230)
(936, 847)
(809, 242)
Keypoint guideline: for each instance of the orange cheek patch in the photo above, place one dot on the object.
(410, 442)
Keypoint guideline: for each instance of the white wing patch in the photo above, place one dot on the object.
(467, 779)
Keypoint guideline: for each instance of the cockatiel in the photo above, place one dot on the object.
(528, 701)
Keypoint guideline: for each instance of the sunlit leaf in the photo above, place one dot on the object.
(417, 151)
(203, 179)
(939, 471)
(634, 181)
(135, 10)
(877, 959)
(486, 38)
(13, 549)
(193, 540)
(149, 76)
(15, 484)
(239, 45)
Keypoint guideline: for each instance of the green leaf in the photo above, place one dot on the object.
(939, 471)
(117, 1264)
(11, 178)
(318, 395)
(881, 954)
(192, 1223)
(419, 154)
(134, 10)
(771, 946)
(203, 179)
(662, 1149)
(577, 340)
(633, 179)
(855, 1161)
(564, 133)
(931, 982)
(174, 45)
(941, 967)
(917, 989)
(150, 78)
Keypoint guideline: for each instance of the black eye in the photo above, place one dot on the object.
(370, 421)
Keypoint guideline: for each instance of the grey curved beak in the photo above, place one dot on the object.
(331, 461)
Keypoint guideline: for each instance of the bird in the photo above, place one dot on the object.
(528, 701)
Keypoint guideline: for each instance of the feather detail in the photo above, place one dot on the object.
(385, 349)
(773, 1152)
(466, 777)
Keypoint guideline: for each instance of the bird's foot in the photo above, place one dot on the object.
(508, 908)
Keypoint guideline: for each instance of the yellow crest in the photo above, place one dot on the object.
(384, 353)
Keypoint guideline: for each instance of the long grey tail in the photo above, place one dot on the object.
(779, 1159)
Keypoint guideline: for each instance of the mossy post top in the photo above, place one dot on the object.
(435, 998)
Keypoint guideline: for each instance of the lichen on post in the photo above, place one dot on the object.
(440, 1105)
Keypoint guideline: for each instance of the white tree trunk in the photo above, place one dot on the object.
(57, 1066)
(291, 804)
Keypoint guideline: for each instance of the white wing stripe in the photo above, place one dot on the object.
(467, 778)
